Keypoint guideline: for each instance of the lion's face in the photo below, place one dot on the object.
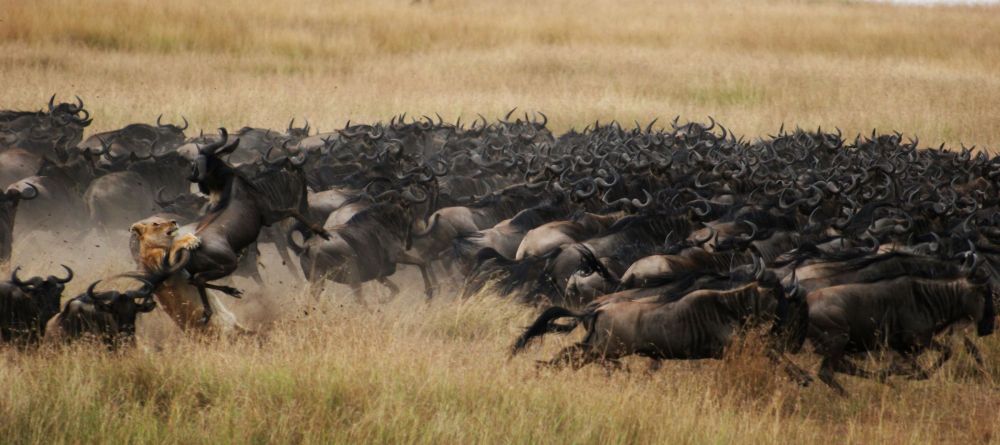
(155, 231)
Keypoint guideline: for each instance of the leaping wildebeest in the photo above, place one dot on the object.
(238, 209)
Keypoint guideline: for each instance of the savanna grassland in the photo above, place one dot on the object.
(752, 64)
(410, 372)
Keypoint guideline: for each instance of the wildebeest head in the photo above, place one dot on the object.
(45, 291)
(186, 205)
(791, 312)
(123, 307)
(297, 132)
(208, 168)
(65, 113)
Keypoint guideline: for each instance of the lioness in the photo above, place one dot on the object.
(157, 237)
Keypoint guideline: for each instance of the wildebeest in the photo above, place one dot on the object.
(902, 314)
(238, 208)
(698, 325)
(136, 139)
(109, 315)
(366, 247)
(27, 304)
(8, 211)
(43, 134)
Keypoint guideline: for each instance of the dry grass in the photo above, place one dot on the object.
(752, 64)
(440, 374)
(410, 373)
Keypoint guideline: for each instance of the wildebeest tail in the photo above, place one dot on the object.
(289, 237)
(543, 325)
(466, 246)
(428, 228)
(488, 253)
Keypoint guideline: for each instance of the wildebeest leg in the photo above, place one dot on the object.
(206, 307)
(250, 261)
(281, 245)
(358, 295)
(313, 227)
(795, 372)
(610, 365)
(228, 290)
(424, 273)
(654, 365)
(911, 369)
(575, 356)
(315, 289)
(393, 289)
(200, 280)
(827, 369)
(921, 374)
(971, 348)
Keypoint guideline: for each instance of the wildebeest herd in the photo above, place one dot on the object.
(665, 242)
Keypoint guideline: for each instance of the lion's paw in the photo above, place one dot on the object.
(187, 242)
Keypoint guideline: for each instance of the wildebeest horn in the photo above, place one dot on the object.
(545, 119)
(590, 191)
(290, 125)
(507, 116)
(14, 279)
(643, 204)
(758, 266)
(701, 213)
(215, 146)
(753, 231)
(90, 289)
(267, 157)
(158, 124)
(69, 275)
(161, 201)
(185, 127)
(409, 196)
(52, 101)
(145, 291)
(25, 195)
(605, 184)
(711, 233)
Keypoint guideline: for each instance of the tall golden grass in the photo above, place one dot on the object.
(416, 373)
(411, 373)
(753, 64)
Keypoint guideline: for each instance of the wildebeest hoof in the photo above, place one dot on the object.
(231, 291)
(205, 317)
